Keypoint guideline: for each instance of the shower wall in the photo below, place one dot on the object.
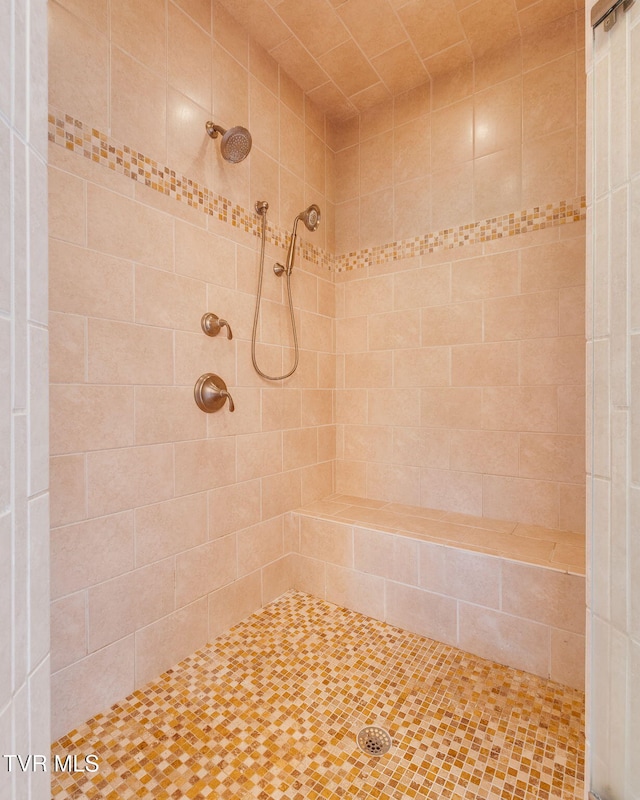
(168, 523)
(24, 479)
(460, 323)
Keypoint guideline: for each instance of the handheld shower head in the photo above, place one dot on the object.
(236, 142)
(311, 217)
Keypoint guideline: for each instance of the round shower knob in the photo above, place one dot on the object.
(211, 393)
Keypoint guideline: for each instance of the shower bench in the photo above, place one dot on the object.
(506, 591)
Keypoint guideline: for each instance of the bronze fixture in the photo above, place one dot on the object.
(212, 324)
(211, 393)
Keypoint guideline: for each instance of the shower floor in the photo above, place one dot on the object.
(272, 709)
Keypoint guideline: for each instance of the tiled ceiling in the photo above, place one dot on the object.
(349, 55)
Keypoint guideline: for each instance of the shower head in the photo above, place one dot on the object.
(311, 217)
(236, 142)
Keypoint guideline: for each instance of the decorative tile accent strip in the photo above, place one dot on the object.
(76, 136)
(487, 230)
(272, 710)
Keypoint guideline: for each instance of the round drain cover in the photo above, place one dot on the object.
(374, 741)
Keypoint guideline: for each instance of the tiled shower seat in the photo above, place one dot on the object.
(509, 592)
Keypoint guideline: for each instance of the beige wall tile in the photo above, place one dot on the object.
(260, 545)
(485, 277)
(389, 556)
(461, 575)
(140, 30)
(170, 639)
(568, 658)
(552, 361)
(355, 590)
(520, 408)
(553, 265)
(167, 528)
(427, 366)
(90, 418)
(90, 552)
(521, 499)
(492, 452)
(299, 447)
(76, 48)
(89, 283)
(138, 106)
(460, 323)
(121, 227)
(528, 316)
(203, 569)
(232, 603)
(485, 364)
(67, 209)
(552, 457)
(66, 348)
(368, 370)
(108, 676)
(167, 414)
(233, 507)
(451, 407)
(123, 353)
(259, 454)
(327, 541)
(168, 300)
(67, 477)
(422, 612)
(204, 464)
(124, 604)
(503, 638)
(127, 478)
(281, 493)
(553, 598)
(189, 58)
(452, 491)
(68, 631)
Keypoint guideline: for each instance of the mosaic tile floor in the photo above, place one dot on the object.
(272, 709)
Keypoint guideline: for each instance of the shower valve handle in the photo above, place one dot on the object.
(212, 324)
(211, 393)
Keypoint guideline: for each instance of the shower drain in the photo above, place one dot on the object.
(374, 741)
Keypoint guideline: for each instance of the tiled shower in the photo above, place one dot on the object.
(440, 308)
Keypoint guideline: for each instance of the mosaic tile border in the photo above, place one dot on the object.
(78, 137)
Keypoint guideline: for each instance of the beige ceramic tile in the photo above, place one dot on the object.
(485, 364)
(121, 605)
(552, 457)
(66, 348)
(68, 633)
(76, 48)
(281, 493)
(121, 227)
(260, 545)
(386, 555)
(108, 675)
(522, 499)
(422, 612)
(90, 418)
(231, 604)
(67, 207)
(167, 528)
(203, 569)
(165, 642)
(138, 104)
(128, 478)
(485, 277)
(505, 637)
(67, 477)
(88, 553)
(140, 30)
(204, 464)
(325, 540)
(121, 353)
(189, 58)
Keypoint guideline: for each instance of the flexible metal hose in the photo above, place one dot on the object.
(263, 212)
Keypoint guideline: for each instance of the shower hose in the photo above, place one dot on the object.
(262, 210)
